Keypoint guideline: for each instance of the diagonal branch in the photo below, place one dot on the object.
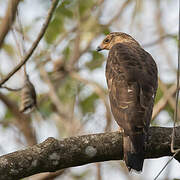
(34, 45)
(8, 19)
(52, 155)
(171, 99)
(163, 101)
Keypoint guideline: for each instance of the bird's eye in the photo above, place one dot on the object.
(106, 40)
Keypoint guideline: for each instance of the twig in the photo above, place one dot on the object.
(11, 89)
(17, 44)
(23, 52)
(8, 19)
(165, 166)
(34, 45)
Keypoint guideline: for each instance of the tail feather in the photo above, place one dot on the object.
(134, 148)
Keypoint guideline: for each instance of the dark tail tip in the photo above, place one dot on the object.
(134, 152)
(134, 161)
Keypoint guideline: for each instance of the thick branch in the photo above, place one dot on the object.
(8, 19)
(53, 155)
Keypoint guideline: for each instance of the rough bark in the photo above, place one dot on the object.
(52, 155)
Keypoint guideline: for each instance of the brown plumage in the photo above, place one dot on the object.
(131, 75)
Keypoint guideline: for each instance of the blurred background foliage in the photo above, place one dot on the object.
(68, 73)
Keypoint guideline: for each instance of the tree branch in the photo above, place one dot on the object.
(8, 19)
(34, 45)
(52, 155)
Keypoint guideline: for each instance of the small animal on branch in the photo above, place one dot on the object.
(28, 96)
(131, 75)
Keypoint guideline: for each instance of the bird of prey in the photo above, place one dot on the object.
(131, 75)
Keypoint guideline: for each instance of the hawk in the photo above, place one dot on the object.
(131, 75)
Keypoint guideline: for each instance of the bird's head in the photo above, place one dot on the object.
(114, 38)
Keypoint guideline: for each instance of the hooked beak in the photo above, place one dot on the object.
(99, 48)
